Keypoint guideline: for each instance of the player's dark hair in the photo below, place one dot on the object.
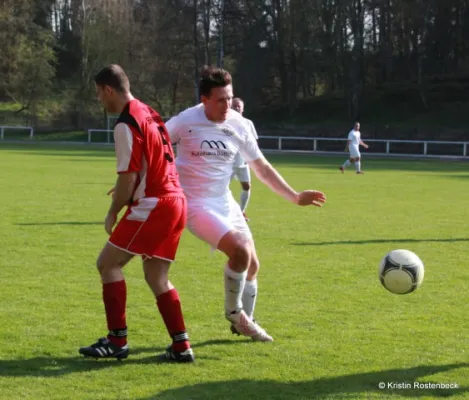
(114, 76)
(213, 77)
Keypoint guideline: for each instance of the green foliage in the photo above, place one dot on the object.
(27, 58)
(281, 53)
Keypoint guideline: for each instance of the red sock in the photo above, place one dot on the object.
(115, 297)
(169, 305)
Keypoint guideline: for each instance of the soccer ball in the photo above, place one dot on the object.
(401, 271)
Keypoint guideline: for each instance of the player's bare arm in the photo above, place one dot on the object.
(363, 144)
(121, 196)
(268, 175)
(349, 142)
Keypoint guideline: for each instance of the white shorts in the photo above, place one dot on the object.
(354, 152)
(211, 219)
(242, 174)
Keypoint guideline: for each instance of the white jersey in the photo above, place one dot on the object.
(239, 161)
(354, 137)
(206, 150)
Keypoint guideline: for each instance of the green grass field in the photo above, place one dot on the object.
(338, 333)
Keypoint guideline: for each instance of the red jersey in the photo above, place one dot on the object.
(143, 146)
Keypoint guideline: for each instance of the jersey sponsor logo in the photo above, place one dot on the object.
(212, 144)
(213, 148)
(213, 152)
(227, 132)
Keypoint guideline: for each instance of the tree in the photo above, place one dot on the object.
(27, 62)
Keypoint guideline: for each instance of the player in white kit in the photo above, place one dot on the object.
(209, 136)
(241, 168)
(353, 146)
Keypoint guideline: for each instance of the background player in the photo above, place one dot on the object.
(241, 168)
(152, 225)
(353, 146)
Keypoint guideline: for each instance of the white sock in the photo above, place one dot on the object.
(346, 164)
(358, 166)
(249, 297)
(234, 287)
(244, 199)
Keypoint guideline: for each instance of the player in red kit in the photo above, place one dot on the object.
(152, 225)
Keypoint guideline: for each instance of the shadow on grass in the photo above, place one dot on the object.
(94, 183)
(53, 367)
(50, 366)
(339, 387)
(352, 386)
(58, 223)
(461, 176)
(371, 241)
(63, 150)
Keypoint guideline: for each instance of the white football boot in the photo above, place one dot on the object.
(245, 326)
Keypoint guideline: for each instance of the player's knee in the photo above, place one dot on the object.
(107, 265)
(254, 266)
(100, 265)
(241, 253)
(246, 186)
(241, 256)
(160, 281)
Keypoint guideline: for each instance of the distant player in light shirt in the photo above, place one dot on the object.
(241, 168)
(209, 136)
(353, 146)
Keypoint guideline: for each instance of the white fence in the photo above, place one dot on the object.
(22, 128)
(317, 145)
(427, 148)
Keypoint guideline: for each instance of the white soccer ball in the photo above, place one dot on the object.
(401, 271)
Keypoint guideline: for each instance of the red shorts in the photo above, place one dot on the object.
(152, 227)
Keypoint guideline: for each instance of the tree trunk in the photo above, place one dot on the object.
(196, 51)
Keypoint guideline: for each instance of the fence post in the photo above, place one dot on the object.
(31, 135)
(315, 145)
(280, 143)
(2, 133)
(387, 147)
(424, 148)
(89, 135)
(464, 150)
(108, 136)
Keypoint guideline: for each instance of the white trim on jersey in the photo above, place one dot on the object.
(124, 142)
(140, 190)
(142, 210)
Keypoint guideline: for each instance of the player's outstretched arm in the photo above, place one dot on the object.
(121, 196)
(270, 177)
(363, 144)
